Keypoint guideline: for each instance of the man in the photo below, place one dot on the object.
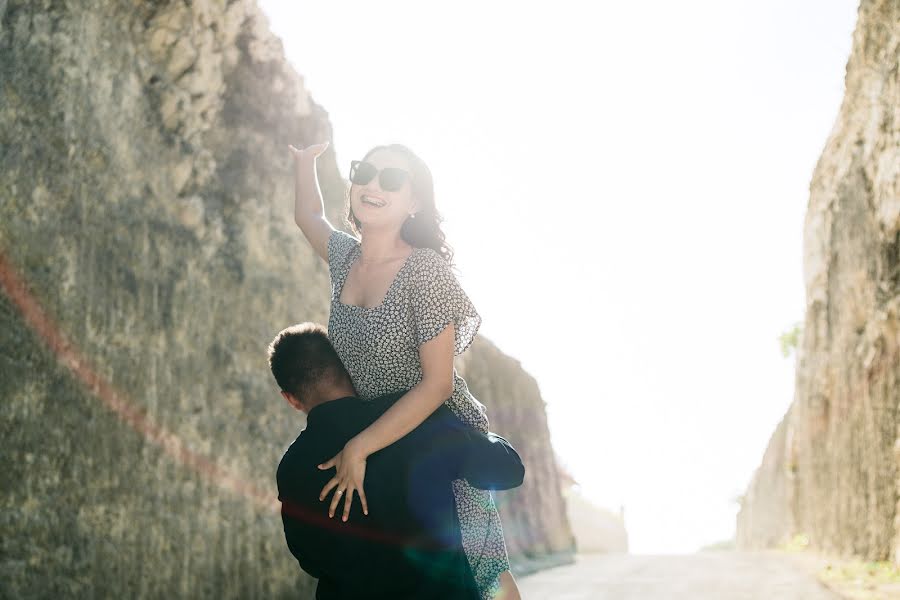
(409, 545)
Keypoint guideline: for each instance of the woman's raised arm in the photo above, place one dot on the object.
(309, 211)
(436, 356)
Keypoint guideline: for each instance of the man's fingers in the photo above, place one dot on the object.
(328, 463)
(328, 487)
(347, 502)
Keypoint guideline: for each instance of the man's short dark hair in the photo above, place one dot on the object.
(301, 356)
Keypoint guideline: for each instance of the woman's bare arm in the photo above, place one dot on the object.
(436, 356)
(309, 210)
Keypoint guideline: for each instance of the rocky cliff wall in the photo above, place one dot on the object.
(147, 256)
(597, 530)
(765, 519)
(834, 471)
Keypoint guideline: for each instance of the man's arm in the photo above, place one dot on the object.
(301, 540)
(341, 563)
(490, 462)
(486, 461)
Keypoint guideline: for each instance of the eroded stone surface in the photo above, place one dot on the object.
(831, 471)
(146, 201)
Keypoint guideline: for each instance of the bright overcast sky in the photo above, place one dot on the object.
(625, 185)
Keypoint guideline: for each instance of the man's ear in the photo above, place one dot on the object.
(291, 400)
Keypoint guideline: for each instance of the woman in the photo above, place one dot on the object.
(398, 317)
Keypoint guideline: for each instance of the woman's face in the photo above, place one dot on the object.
(377, 208)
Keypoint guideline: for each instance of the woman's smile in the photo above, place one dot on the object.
(372, 200)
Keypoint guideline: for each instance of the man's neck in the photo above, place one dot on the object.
(333, 393)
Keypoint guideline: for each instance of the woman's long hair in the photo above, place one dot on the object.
(423, 230)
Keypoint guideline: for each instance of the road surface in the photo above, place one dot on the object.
(760, 575)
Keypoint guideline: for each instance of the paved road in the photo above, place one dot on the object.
(703, 576)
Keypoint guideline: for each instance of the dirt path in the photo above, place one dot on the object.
(702, 576)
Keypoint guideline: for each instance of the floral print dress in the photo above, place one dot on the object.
(379, 348)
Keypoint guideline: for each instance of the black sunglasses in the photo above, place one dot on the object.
(390, 179)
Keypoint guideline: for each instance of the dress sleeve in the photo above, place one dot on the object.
(339, 246)
(437, 300)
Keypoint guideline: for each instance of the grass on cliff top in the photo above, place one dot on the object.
(854, 578)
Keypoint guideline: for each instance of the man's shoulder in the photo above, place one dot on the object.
(444, 417)
(292, 457)
(439, 429)
(388, 398)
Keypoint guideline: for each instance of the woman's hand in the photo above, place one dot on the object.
(350, 464)
(310, 152)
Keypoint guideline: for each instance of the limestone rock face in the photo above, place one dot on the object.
(833, 465)
(145, 203)
(597, 530)
(147, 257)
(765, 519)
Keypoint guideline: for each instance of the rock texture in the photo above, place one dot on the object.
(597, 530)
(147, 256)
(765, 519)
(832, 470)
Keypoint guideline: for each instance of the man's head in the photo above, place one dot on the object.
(306, 366)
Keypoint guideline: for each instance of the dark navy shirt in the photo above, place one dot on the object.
(409, 545)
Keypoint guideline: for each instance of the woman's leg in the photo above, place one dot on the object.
(482, 536)
(508, 588)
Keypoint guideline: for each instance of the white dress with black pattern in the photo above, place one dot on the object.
(379, 348)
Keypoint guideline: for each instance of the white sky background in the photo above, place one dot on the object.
(625, 185)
